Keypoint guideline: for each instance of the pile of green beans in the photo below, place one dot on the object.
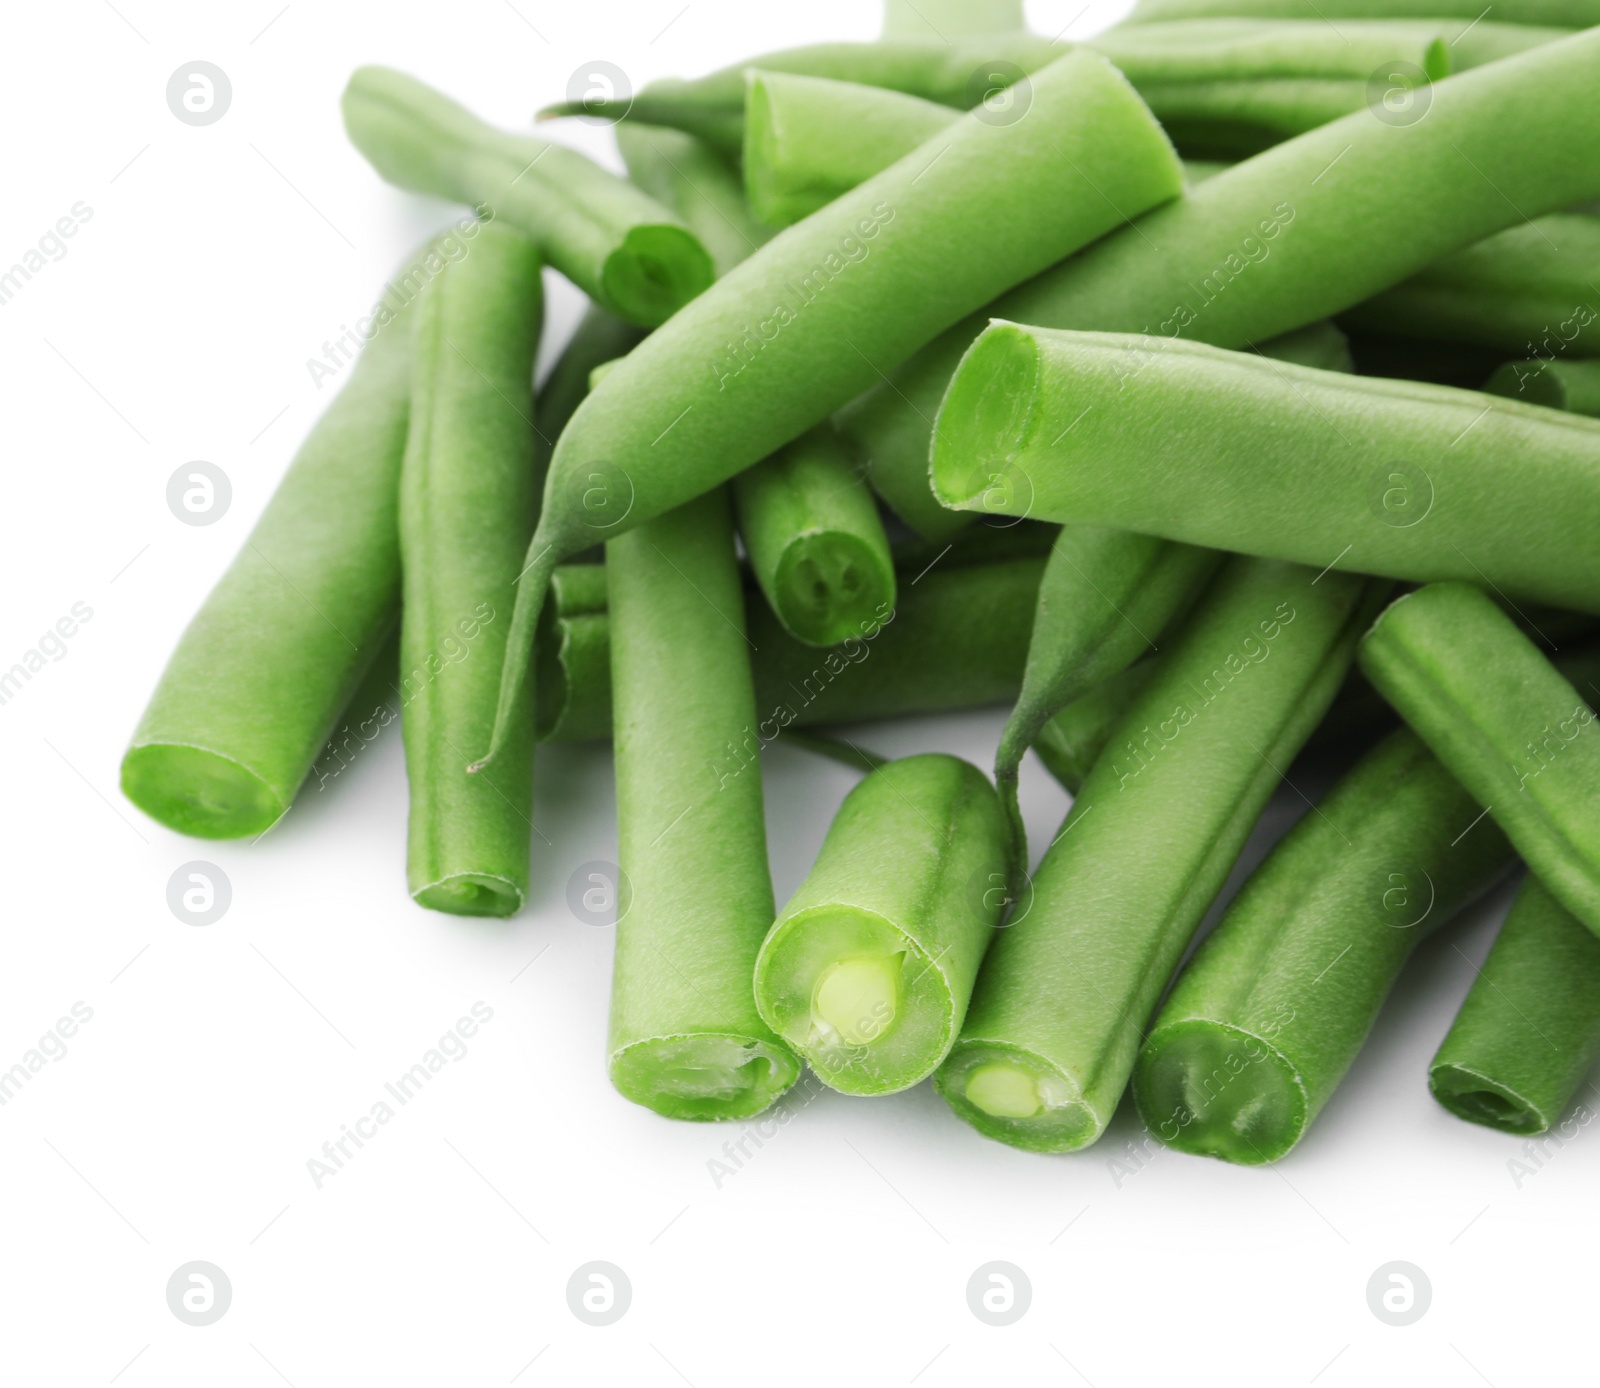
(923, 375)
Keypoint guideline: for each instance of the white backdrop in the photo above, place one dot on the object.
(175, 1124)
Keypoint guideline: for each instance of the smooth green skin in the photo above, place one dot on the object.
(261, 675)
(600, 337)
(1066, 990)
(1571, 14)
(944, 20)
(687, 175)
(809, 140)
(1071, 742)
(815, 539)
(958, 73)
(618, 245)
(1102, 604)
(957, 639)
(913, 872)
(685, 1037)
(1379, 476)
(841, 299)
(1530, 289)
(467, 503)
(1559, 385)
(1529, 1030)
(1268, 1016)
(1298, 233)
(1510, 727)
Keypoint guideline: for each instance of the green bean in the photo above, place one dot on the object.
(809, 140)
(1572, 14)
(683, 173)
(1559, 385)
(1068, 986)
(467, 504)
(959, 74)
(864, 283)
(808, 520)
(260, 676)
(945, 20)
(1106, 597)
(1530, 1027)
(868, 969)
(1102, 603)
(1507, 724)
(957, 639)
(685, 1038)
(622, 248)
(1528, 289)
(815, 539)
(1071, 742)
(600, 337)
(1287, 461)
(1266, 1019)
(1290, 236)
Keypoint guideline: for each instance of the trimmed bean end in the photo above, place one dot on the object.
(856, 996)
(654, 273)
(830, 587)
(199, 792)
(1017, 1097)
(984, 421)
(1478, 1099)
(1218, 1091)
(471, 894)
(705, 1076)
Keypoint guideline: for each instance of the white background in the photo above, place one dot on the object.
(179, 1124)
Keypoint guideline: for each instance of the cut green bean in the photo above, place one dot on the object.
(1529, 1030)
(467, 504)
(809, 140)
(815, 540)
(1507, 724)
(1558, 385)
(1068, 986)
(1377, 476)
(621, 247)
(1269, 1015)
(957, 639)
(600, 337)
(685, 174)
(1290, 236)
(784, 339)
(960, 74)
(868, 969)
(1530, 288)
(261, 675)
(1571, 14)
(685, 1037)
